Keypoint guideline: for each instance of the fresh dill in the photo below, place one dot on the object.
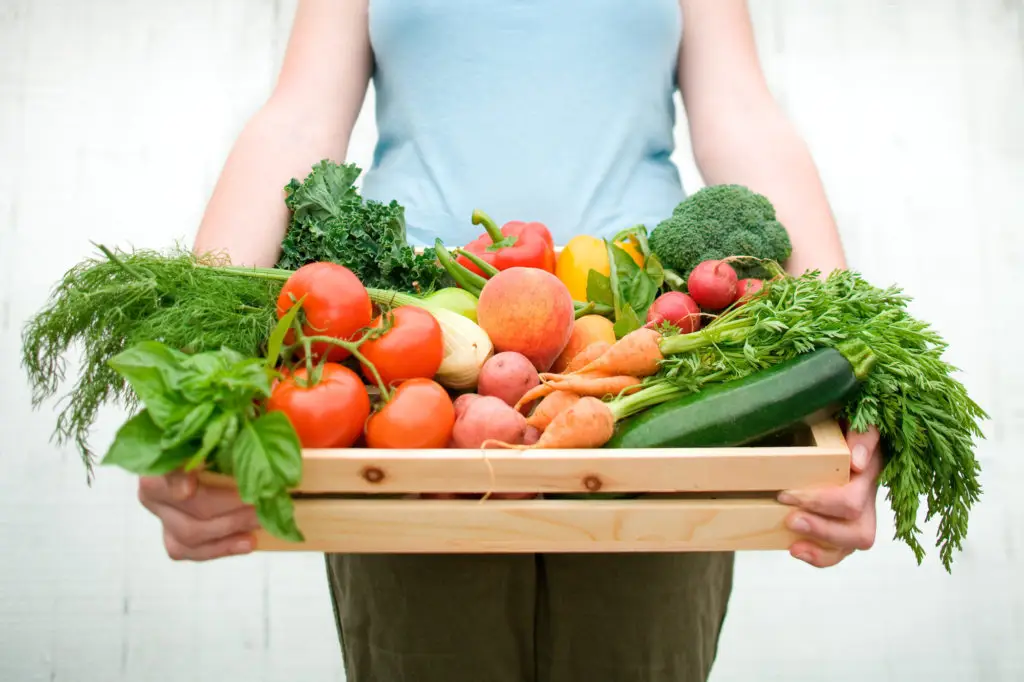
(102, 306)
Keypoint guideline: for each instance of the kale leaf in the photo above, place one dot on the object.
(330, 221)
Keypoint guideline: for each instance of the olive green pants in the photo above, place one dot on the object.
(530, 618)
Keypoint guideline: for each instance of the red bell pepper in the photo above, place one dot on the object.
(516, 244)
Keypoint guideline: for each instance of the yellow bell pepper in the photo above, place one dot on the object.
(584, 253)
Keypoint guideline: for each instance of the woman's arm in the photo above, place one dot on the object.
(308, 117)
(741, 135)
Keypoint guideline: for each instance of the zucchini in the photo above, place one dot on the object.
(764, 403)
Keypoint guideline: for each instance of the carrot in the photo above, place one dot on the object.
(637, 354)
(587, 355)
(550, 407)
(536, 393)
(587, 423)
(595, 385)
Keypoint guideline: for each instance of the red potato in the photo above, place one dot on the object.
(677, 309)
(508, 376)
(488, 418)
(462, 402)
(712, 284)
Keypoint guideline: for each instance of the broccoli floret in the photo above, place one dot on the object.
(717, 222)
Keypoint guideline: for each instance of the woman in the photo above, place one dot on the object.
(552, 110)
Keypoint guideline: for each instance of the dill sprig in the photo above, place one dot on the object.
(104, 306)
(925, 417)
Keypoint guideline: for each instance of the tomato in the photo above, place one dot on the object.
(419, 414)
(328, 414)
(336, 305)
(413, 348)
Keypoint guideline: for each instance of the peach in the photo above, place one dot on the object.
(527, 311)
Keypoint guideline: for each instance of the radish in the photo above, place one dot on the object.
(712, 284)
(677, 309)
(747, 287)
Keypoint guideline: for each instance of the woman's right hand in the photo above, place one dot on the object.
(200, 522)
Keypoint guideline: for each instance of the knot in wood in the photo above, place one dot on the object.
(373, 474)
(592, 483)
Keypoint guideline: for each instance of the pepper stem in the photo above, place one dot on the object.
(493, 231)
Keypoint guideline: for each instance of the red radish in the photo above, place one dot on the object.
(712, 284)
(677, 309)
(748, 287)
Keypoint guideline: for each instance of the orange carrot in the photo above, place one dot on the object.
(588, 423)
(594, 385)
(539, 391)
(550, 407)
(637, 354)
(587, 355)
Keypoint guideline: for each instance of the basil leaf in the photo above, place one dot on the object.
(655, 270)
(625, 266)
(599, 288)
(640, 293)
(154, 371)
(626, 320)
(224, 457)
(211, 439)
(276, 514)
(181, 432)
(267, 457)
(280, 331)
(136, 448)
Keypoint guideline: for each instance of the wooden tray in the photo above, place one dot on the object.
(706, 499)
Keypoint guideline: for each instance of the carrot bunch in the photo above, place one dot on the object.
(571, 412)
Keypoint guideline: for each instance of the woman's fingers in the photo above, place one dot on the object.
(193, 532)
(851, 535)
(183, 492)
(200, 522)
(232, 545)
(818, 556)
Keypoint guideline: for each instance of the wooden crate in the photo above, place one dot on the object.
(365, 501)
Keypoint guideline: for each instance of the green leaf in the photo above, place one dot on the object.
(154, 371)
(280, 331)
(136, 448)
(640, 293)
(181, 432)
(599, 288)
(224, 459)
(267, 457)
(626, 320)
(276, 514)
(625, 266)
(211, 439)
(655, 270)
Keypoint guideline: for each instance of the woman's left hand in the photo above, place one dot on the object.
(839, 520)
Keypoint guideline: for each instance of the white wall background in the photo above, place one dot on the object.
(115, 116)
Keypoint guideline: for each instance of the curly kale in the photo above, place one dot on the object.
(332, 222)
(717, 222)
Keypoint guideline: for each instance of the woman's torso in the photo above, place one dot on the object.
(559, 111)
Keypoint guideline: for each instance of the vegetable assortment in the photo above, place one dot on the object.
(691, 336)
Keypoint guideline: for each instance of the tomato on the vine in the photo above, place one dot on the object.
(336, 305)
(419, 414)
(413, 348)
(330, 413)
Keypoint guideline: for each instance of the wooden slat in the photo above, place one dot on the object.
(359, 470)
(507, 526)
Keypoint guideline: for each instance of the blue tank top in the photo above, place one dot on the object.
(558, 111)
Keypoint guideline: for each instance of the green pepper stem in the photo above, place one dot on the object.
(481, 218)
